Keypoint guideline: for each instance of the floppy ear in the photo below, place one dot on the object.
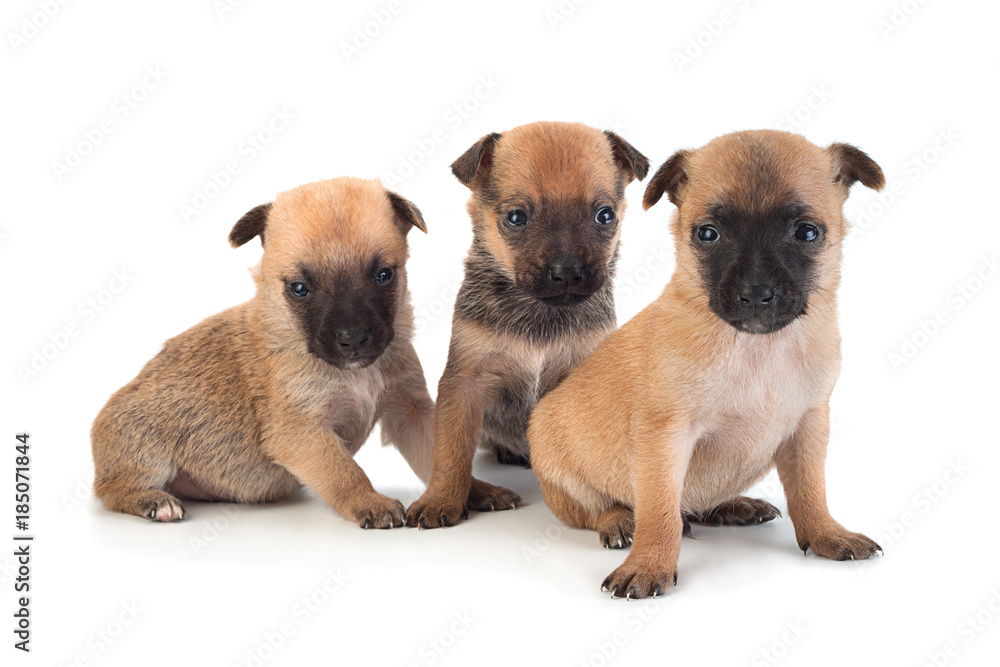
(633, 163)
(851, 164)
(250, 225)
(407, 215)
(475, 161)
(671, 178)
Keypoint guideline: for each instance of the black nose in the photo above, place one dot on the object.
(561, 273)
(756, 295)
(352, 340)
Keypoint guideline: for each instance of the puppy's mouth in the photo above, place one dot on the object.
(564, 299)
(762, 324)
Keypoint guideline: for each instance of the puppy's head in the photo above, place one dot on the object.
(333, 272)
(760, 221)
(547, 201)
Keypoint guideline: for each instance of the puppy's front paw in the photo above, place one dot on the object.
(380, 512)
(638, 580)
(432, 511)
(161, 506)
(485, 497)
(838, 543)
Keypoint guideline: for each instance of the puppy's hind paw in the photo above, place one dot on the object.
(485, 497)
(161, 506)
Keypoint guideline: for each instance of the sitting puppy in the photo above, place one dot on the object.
(547, 204)
(284, 389)
(726, 375)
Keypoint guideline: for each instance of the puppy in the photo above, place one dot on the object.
(547, 201)
(284, 389)
(726, 375)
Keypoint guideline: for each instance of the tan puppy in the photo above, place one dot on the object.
(726, 375)
(284, 389)
(537, 298)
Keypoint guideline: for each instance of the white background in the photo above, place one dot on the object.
(509, 588)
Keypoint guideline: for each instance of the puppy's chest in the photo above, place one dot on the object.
(345, 403)
(760, 393)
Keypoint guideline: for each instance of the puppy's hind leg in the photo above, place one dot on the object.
(740, 511)
(613, 521)
(135, 490)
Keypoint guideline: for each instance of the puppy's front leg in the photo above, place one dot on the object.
(800, 462)
(458, 425)
(317, 457)
(661, 453)
(406, 415)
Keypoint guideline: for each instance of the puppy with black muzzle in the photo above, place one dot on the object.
(546, 207)
(283, 390)
(726, 375)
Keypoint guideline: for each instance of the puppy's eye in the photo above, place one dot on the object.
(517, 218)
(384, 275)
(806, 232)
(298, 288)
(605, 215)
(708, 234)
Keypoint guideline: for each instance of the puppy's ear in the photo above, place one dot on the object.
(407, 215)
(474, 165)
(671, 178)
(851, 164)
(632, 163)
(250, 225)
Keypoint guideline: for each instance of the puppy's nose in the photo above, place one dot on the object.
(561, 273)
(757, 295)
(352, 340)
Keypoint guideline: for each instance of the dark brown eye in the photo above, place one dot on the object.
(298, 288)
(708, 234)
(806, 232)
(605, 215)
(517, 218)
(384, 275)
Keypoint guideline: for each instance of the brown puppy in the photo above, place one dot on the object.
(727, 374)
(284, 389)
(546, 205)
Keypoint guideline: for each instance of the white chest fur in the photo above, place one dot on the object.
(759, 390)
